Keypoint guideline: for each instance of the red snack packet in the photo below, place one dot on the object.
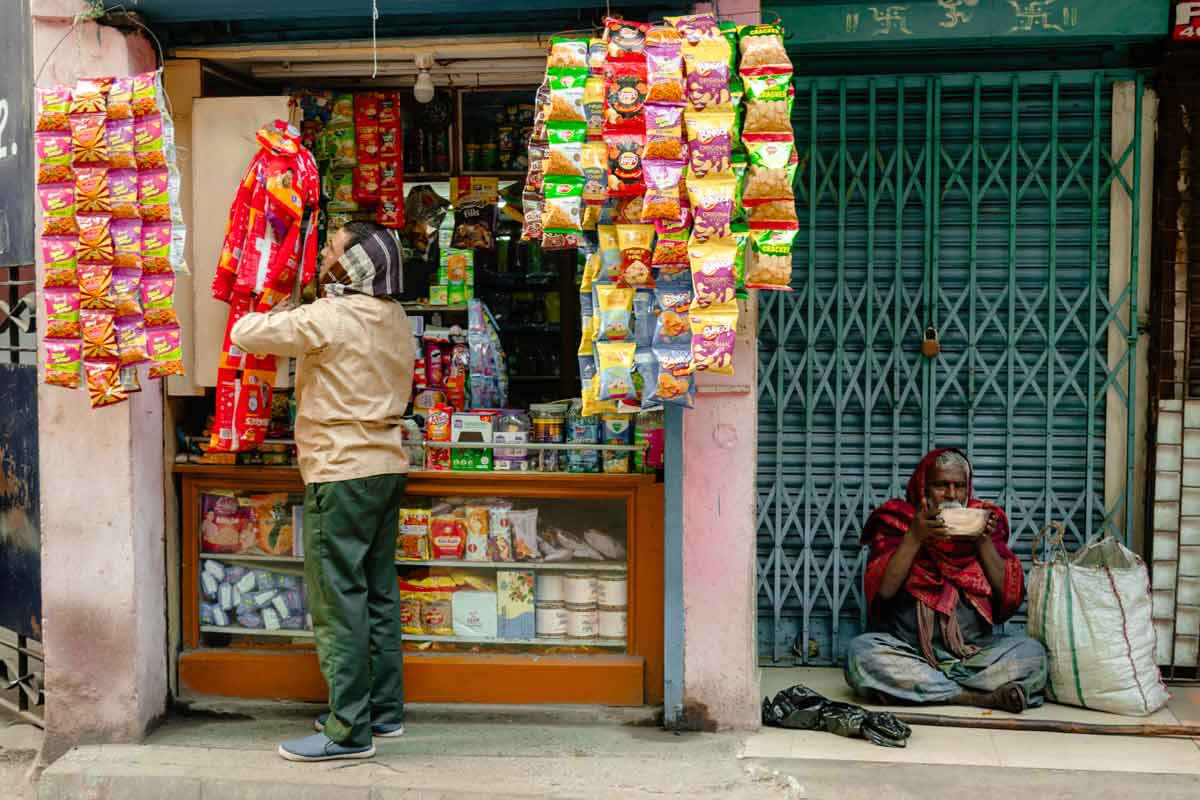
(391, 211)
(95, 238)
(88, 97)
(389, 109)
(391, 178)
(367, 143)
(389, 143)
(89, 139)
(625, 174)
(99, 333)
(366, 108)
(626, 39)
(104, 383)
(95, 286)
(625, 97)
(366, 183)
(92, 194)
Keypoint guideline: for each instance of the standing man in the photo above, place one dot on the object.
(353, 380)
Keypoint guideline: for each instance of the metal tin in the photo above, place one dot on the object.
(581, 588)
(550, 588)
(613, 589)
(551, 620)
(612, 623)
(582, 621)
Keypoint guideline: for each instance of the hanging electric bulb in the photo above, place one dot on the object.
(423, 89)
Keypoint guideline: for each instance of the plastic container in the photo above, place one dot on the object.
(549, 426)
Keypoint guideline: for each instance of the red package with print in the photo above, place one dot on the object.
(391, 210)
(366, 183)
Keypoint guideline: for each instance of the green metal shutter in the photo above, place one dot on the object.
(978, 204)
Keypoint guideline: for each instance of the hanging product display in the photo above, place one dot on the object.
(112, 233)
(270, 241)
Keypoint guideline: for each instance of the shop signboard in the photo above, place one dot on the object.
(16, 137)
(1187, 22)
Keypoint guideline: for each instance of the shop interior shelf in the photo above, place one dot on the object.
(428, 307)
(574, 566)
(616, 643)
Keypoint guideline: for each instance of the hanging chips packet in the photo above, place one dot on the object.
(714, 335)
(614, 369)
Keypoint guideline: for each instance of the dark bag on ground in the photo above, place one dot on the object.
(800, 708)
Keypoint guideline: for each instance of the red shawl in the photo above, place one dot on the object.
(943, 570)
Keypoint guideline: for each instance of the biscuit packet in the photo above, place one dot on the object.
(713, 272)
(667, 379)
(563, 209)
(567, 87)
(714, 334)
(637, 247)
(770, 264)
(712, 202)
(771, 169)
(663, 179)
(762, 46)
(614, 370)
(565, 154)
(614, 312)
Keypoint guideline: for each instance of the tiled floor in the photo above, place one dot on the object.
(962, 746)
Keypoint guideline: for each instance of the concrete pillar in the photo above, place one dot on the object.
(101, 472)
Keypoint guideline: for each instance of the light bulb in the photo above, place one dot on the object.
(423, 89)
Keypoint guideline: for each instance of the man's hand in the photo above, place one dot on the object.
(927, 524)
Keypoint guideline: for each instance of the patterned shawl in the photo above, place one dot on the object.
(371, 267)
(943, 571)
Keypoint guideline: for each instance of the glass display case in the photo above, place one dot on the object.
(499, 574)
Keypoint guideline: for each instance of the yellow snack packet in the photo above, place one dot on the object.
(614, 312)
(714, 334)
(637, 247)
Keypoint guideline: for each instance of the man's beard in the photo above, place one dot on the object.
(950, 504)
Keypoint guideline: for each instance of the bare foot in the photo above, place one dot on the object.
(1009, 697)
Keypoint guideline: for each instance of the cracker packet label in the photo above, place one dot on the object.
(567, 88)
(565, 153)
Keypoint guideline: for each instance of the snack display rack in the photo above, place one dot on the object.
(254, 662)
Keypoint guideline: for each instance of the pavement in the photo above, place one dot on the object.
(227, 751)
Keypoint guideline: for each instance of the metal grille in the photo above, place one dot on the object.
(979, 206)
(18, 329)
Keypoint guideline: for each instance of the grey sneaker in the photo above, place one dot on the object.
(382, 730)
(320, 747)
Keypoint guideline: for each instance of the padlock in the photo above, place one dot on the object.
(930, 347)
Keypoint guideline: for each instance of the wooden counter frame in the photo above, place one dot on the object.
(634, 677)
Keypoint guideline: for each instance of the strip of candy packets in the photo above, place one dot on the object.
(112, 234)
(664, 153)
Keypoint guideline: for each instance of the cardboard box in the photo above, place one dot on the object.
(475, 614)
(515, 606)
(471, 426)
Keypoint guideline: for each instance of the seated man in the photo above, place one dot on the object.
(933, 600)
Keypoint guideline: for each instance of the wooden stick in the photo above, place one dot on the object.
(1052, 725)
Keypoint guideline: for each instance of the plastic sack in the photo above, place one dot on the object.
(1091, 609)
(800, 708)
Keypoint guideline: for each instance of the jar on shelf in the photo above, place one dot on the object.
(549, 427)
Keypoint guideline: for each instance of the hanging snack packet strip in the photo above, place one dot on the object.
(714, 334)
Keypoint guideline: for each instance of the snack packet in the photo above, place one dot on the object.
(761, 46)
(594, 164)
(58, 252)
(614, 311)
(714, 334)
(563, 209)
(92, 195)
(710, 142)
(771, 171)
(707, 84)
(626, 39)
(99, 333)
(53, 149)
(614, 368)
(127, 292)
(668, 378)
(64, 361)
(713, 277)
(664, 72)
(643, 318)
(592, 405)
(568, 52)
(566, 95)
(95, 238)
(148, 142)
(62, 312)
(771, 262)
(673, 302)
(670, 248)
(565, 155)
(625, 173)
(770, 97)
(131, 341)
(625, 97)
(773, 214)
(664, 133)
(104, 383)
(593, 107)
(89, 139)
(637, 244)
(123, 194)
(695, 29)
(662, 190)
(586, 354)
(610, 254)
(53, 105)
(741, 236)
(95, 286)
(58, 209)
(597, 56)
(165, 348)
(712, 207)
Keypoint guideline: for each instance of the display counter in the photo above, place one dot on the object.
(527, 587)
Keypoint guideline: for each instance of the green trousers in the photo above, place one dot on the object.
(350, 532)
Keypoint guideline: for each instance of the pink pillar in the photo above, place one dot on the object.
(101, 474)
(720, 441)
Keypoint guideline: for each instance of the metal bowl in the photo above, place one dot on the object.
(965, 522)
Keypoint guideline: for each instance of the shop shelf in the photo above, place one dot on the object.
(572, 566)
(614, 643)
(430, 308)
